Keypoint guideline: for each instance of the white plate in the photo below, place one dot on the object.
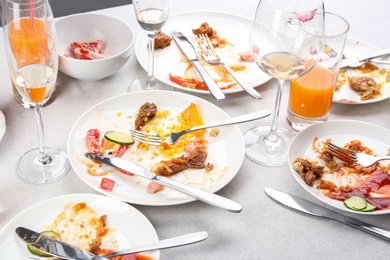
(132, 227)
(226, 151)
(2, 125)
(235, 29)
(346, 95)
(340, 132)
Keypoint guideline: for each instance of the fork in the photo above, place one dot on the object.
(349, 157)
(210, 56)
(154, 139)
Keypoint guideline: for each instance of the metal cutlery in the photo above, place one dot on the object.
(207, 197)
(351, 157)
(313, 209)
(154, 139)
(189, 50)
(210, 56)
(348, 61)
(66, 251)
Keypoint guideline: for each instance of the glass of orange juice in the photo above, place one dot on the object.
(311, 95)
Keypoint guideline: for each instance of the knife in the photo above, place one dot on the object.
(207, 197)
(54, 247)
(319, 211)
(189, 50)
(350, 61)
(40, 241)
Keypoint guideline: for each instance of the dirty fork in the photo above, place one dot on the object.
(210, 56)
(154, 139)
(348, 156)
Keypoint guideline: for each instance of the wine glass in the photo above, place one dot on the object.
(29, 36)
(286, 42)
(151, 16)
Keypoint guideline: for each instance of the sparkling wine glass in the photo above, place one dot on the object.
(286, 42)
(151, 16)
(29, 36)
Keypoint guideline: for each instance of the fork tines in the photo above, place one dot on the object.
(152, 139)
(341, 153)
(205, 45)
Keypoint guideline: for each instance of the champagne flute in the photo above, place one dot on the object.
(151, 16)
(29, 36)
(286, 42)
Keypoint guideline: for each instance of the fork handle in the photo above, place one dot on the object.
(233, 120)
(213, 87)
(251, 91)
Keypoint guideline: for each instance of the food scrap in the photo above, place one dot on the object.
(366, 87)
(87, 50)
(162, 40)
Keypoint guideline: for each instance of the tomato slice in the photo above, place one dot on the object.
(187, 82)
(92, 139)
(107, 184)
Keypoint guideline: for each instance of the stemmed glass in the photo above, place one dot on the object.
(286, 42)
(151, 16)
(29, 36)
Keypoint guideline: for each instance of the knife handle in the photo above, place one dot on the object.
(207, 197)
(376, 231)
(213, 87)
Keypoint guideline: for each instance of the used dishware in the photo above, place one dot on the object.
(340, 132)
(133, 168)
(310, 208)
(67, 251)
(154, 139)
(132, 228)
(2, 125)
(359, 60)
(311, 95)
(151, 16)
(189, 50)
(344, 94)
(34, 73)
(284, 52)
(104, 116)
(117, 40)
(351, 157)
(170, 60)
(210, 56)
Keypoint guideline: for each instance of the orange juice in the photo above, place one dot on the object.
(28, 40)
(311, 95)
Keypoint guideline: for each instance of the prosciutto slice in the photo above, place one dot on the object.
(88, 50)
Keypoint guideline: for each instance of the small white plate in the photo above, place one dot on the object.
(132, 227)
(2, 125)
(340, 132)
(225, 151)
(235, 29)
(346, 95)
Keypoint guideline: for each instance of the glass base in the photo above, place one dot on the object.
(32, 170)
(268, 151)
(145, 84)
(299, 123)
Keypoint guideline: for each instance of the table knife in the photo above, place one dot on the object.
(350, 61)
(207, 197)
(319, 211)
(189, 50)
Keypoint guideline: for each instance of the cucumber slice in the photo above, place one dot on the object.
(355, 203)
(369, 208)
(119, 138)
(38, 252)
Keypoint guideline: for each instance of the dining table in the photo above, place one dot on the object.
(263, 229)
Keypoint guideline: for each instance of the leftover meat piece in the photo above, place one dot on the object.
(162, 40)
(87, 50)
(205, 29)
(146, 112)
(154, 187)
(246, 56)
(308, 171)
(366, 87)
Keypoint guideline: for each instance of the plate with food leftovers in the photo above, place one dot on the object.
(230, 39)
(362, 85)
(61, 217)
(206, 159)
(334, 182)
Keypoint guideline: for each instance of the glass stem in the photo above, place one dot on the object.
(272, 136)
(43, 157)
(150, 84)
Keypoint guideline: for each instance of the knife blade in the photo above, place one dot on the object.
(319, 211)
(189, 50)
(350, 61)
(54, 247)
(207, 197)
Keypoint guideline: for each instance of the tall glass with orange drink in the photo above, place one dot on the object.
(311, 95)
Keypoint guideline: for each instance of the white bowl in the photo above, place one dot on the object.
(117, 37)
